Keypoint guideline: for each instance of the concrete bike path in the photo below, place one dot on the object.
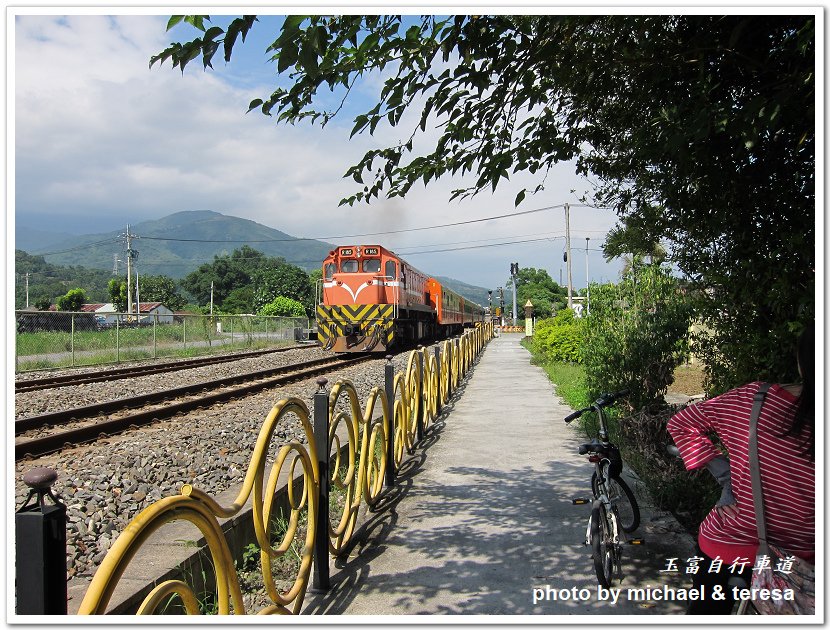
(482, 515)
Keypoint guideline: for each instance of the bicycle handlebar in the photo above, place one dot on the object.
(603, 401)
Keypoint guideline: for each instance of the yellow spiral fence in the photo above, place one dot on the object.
(364, 447)
(200, 509)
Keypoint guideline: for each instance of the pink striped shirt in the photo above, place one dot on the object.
(787, 476)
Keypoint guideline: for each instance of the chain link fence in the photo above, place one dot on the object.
(47, 339)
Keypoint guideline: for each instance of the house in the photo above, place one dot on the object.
(150, 312)
(104, 313)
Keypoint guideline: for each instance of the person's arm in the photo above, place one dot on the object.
(719, 467)
(689, 429)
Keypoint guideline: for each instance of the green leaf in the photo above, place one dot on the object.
(286, 57)
(308, 59)
(174, 19)
(369, 43)
(520, 197)
(212, 33)
(197, 21)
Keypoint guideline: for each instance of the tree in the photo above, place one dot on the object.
(226, 274)
(72, 301)
(537, 286)
(118, 294)
(283, 280)
(699, 129)
(283, 307)
(46, 281)
(240, 300)
(160, 289)
(636, 334)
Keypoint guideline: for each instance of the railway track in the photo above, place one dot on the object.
(125, 413)
(66, 380)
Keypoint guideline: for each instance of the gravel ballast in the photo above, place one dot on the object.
(105, 484)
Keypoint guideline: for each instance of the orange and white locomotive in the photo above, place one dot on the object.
(373, 301)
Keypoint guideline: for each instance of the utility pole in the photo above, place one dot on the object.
(568, 253)
(27, 290)
(211, 298)
(129, 273)
(587, 280)
(131, 254)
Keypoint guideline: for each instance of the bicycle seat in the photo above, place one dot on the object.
(594, 446)
(609, 451)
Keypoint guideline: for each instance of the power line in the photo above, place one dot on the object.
(78, 248)
(344, 236)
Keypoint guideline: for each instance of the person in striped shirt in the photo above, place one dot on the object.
(728, 537)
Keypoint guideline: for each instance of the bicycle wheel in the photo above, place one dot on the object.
(621, 495)
(602, 546)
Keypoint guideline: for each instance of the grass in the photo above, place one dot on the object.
(52, 350)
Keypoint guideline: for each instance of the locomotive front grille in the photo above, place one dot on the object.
(355, 320)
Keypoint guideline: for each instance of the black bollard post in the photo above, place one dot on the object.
(389, 385)
(419, 426)
(449, 367)
(40, 548)
(321, 582)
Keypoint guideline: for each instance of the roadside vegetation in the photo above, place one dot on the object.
(637, 337)
(198, 336)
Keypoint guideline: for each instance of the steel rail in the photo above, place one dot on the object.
(265, 378)
(66, 380)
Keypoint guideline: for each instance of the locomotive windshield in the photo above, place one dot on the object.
(371, 265)
(348, 266)
(329, 272)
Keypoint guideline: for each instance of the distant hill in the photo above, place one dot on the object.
(31, 239)
(48, 282)
(474, 293)
(173, 246)
(177, 244)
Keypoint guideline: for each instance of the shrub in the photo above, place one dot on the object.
(72, 301)
(559, 338)
(636, 334)
(284, 307)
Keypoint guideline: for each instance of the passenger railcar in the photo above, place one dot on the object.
(373, 301)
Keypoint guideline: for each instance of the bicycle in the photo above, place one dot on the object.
(614, 509)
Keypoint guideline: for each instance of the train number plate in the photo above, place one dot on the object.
(346, 252)
(370, 251)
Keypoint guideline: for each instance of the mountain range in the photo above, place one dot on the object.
(172, 246)
(179, 243)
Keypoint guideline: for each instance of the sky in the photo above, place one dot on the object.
(101, 140)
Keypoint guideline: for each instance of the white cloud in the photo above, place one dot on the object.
(100, 134)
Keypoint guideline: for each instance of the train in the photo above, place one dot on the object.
(374, 301)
